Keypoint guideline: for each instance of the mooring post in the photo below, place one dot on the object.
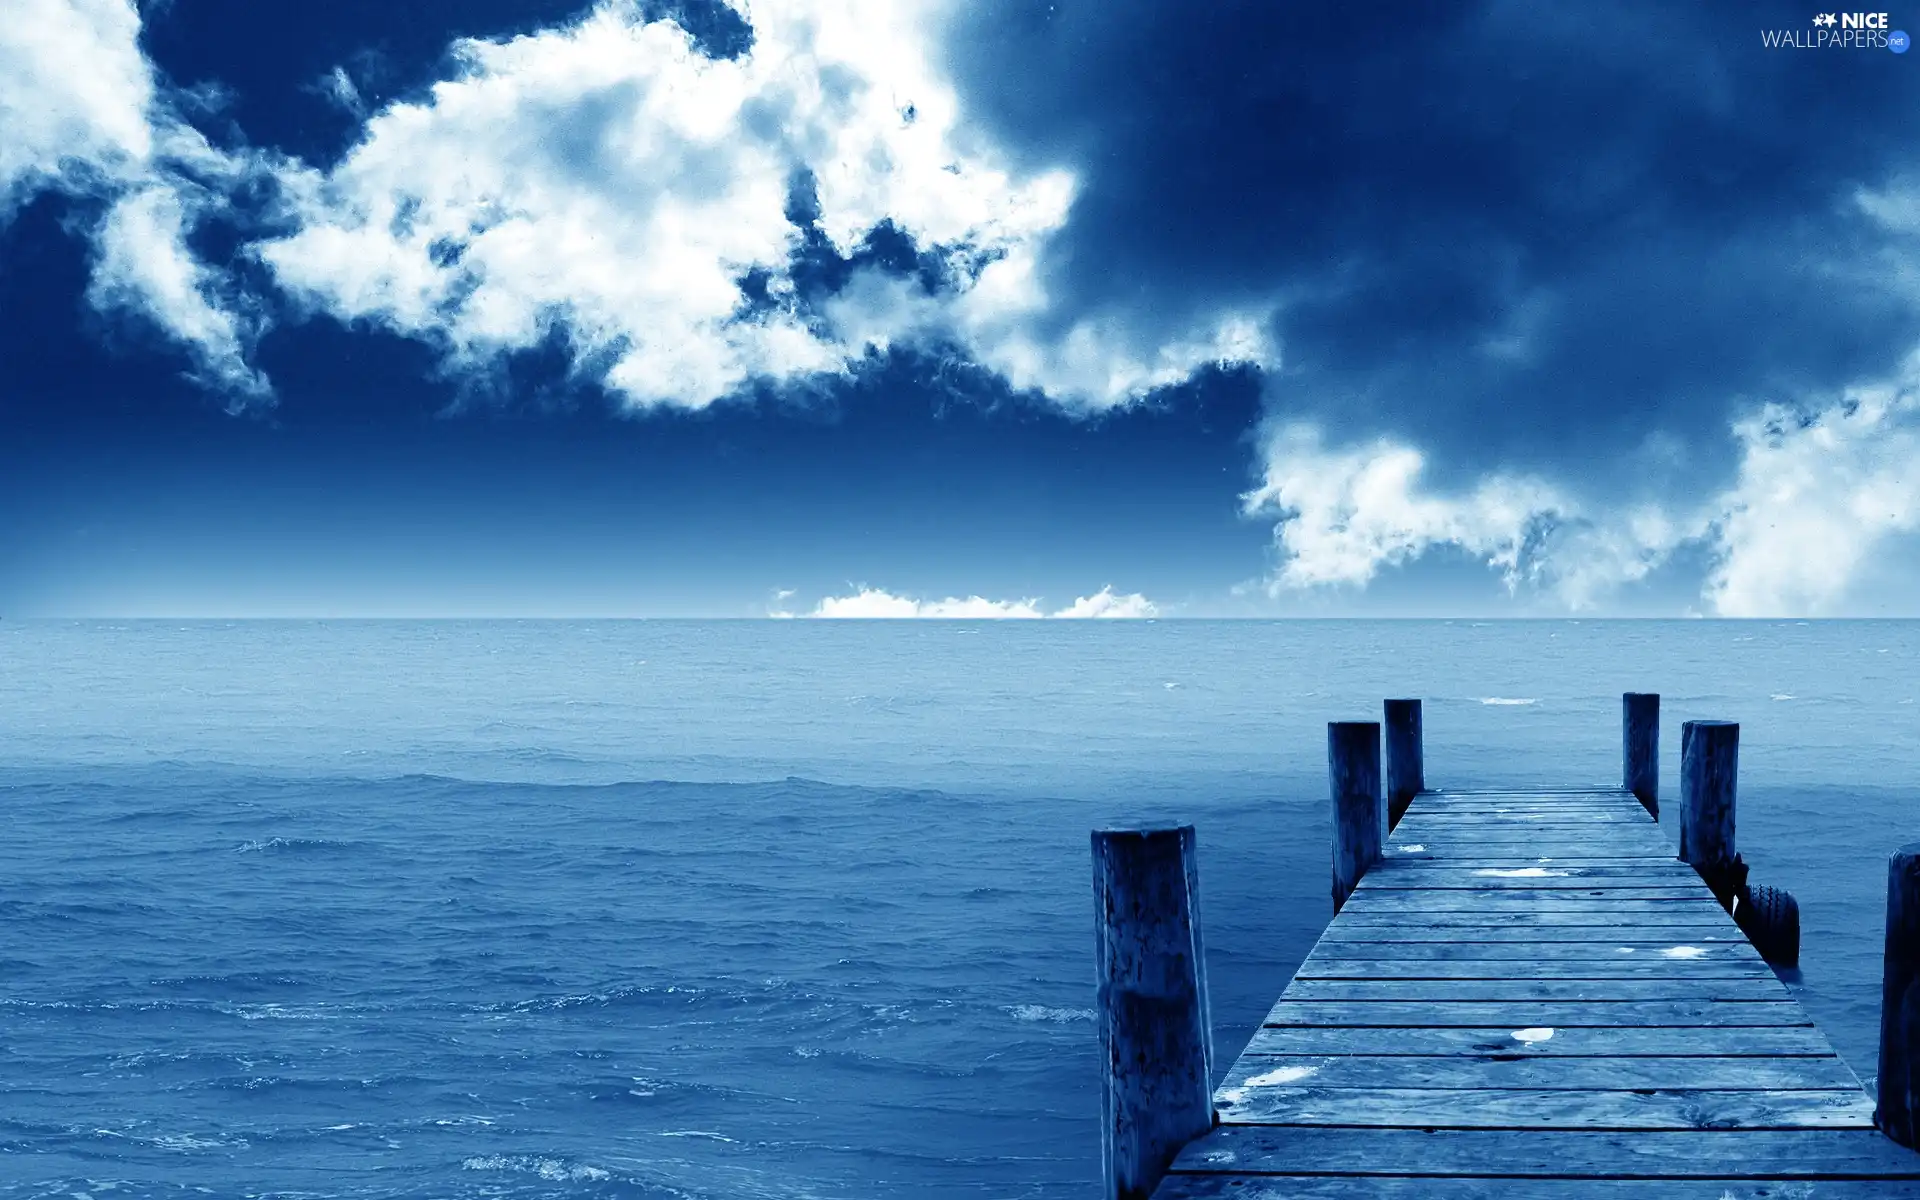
(1359, 811)
(1406, 769)
(1897, 1110)
(1709, 766)
(1640, 748)
(1156, 1031)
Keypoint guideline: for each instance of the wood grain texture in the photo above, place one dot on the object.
(1546, 1108)
(1459, 1187)
(1529, 997)
(1610, 1041)
(1699, 1154)
(1154, 1026)
(1566, 1072)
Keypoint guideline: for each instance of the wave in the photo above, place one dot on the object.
(553, 1170)
(1505, 700)
(1040, 1012)
(297, 845)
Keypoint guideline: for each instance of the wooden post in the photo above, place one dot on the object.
(1640, 748)
(1406, 767)
(1709, 765)
(1156, 1032)
(1359, 812)
(1897, 1111)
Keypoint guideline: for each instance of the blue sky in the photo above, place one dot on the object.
(920, 307)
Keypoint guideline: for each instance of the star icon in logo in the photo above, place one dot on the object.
(1827, 19)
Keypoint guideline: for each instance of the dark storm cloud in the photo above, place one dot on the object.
(1513, 231)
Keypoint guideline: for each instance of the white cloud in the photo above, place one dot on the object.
(1818, 493)
(1345, 514)
(81, 112)
(607, 183)
(870, 603)
(1821, 489)
(1104, 603)
(144, 265)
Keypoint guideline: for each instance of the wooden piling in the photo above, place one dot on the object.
(1359, 811)
(1156, 1031)
(1897, 1107)
(1640, 748)
(1709, 765)
(1406, 768)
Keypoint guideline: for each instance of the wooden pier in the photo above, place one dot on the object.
(1524, 994)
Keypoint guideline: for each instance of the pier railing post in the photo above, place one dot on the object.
(1640, 748)
(1897, 1110)
(1709, 767)
(1359, 811)
(1406, 768)
(1156, 1032)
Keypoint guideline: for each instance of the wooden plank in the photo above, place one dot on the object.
(1482, 874)
(1699, 1154)
(1529, 996)
(1522, 811)
(1611, 1041)
(1583, 1073)
(1531, 1014)
(1587, 991)
(1482, 1187)
(1625, 812)
(1719, 953)
(1402, 857)
(1601, 827)
(1542, 791)
(1619, 967)
(1520, 926)
(1520, 879)
(1680, 924)
(1622, 903)
(1527, 847)
(1542, 1108)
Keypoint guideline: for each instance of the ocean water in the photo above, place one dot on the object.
(759, 909)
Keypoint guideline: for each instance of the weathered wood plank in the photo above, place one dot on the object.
(1524, 879)
(1588, 991)
(1542, 791)
(1699, 1154)
(1622, 902)
(1425, 872)
(1429, 1187)
(1720, 953)
(1680, 924)
(1524, 844)
(1530, 1014)
(1541, 1108)
(1522, 811)
(1529, 996)
(1504, 1069)
(1619, 966)
(1614, 1041)
(1593, 822)
(1419, 855)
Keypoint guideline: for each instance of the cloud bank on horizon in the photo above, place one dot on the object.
(876, 603)
(1684, 340)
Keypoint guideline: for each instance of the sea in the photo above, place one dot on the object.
(761, 910)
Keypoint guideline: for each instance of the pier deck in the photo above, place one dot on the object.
(1530, 997)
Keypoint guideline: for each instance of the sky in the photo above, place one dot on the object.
(982, 308)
